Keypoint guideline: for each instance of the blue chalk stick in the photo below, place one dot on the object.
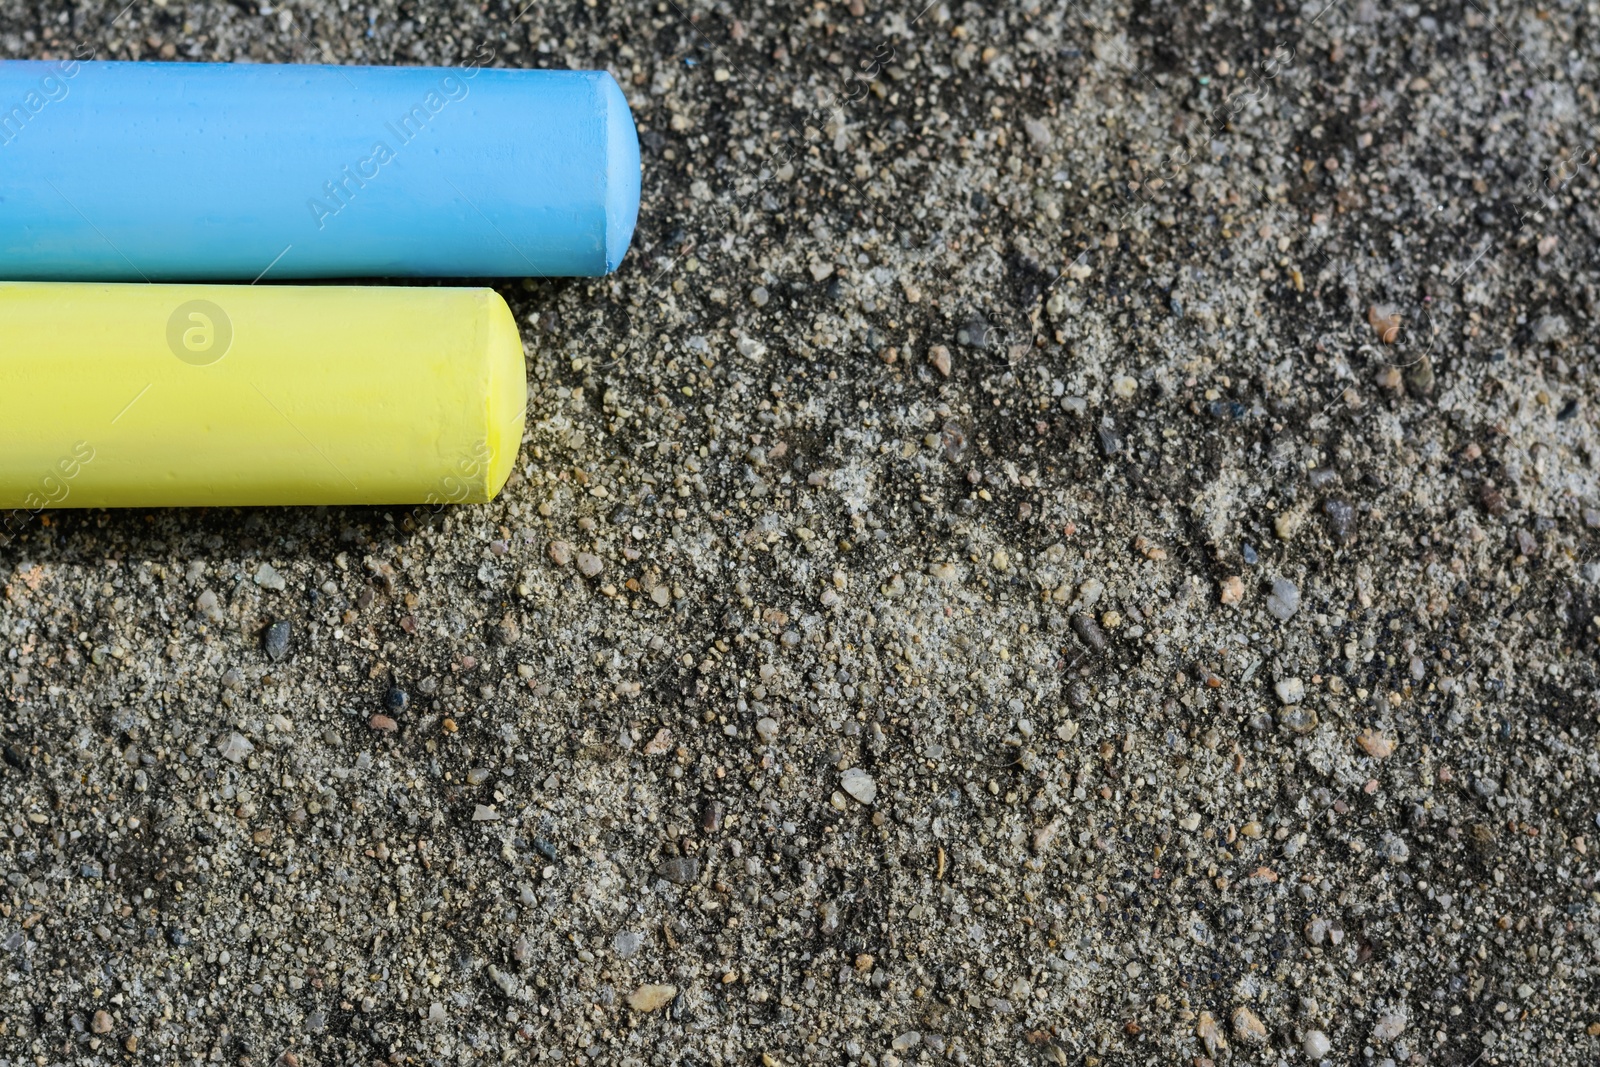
(210, 171)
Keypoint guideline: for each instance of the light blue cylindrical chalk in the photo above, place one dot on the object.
(205, 171)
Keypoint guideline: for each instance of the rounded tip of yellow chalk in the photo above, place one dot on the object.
(508, 394)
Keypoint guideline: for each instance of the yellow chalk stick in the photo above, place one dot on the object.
(187, 395)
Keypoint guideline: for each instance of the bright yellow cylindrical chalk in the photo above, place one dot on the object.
(186, 395)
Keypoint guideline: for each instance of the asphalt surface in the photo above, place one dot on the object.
(1072, 538)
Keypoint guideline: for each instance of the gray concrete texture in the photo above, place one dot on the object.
(1071, 539)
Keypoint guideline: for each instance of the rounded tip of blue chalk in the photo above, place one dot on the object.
(622, 172)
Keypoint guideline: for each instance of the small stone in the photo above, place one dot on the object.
(102, 1022)
(1322, 477)
(627, 943)
(1286, 525)
(1231, 589)
(276, 640)
(859, 784)
(1284, 600)
(1341, 517)
(505, 980)
(1493, 499)
(484, 813)
(1316, 1045)
(1089, 592)
(208, 605)
(1550, 328)
(906, 1041)
(660, 744)
(1248, 1029)
(560, 553)
(767, 729)
(1420, 379)
(1375, 744)
(649, 998)
(1298, 719)
(396, 699)
(1290, 690)
(1149, 549)
(1393, 848)
(1210, 1034)
(759, 296)
(1089, 632)
(267, 577)
(1110, 440)
(234, 747)
(1385, 323)
(436, 1012)
(589, 565)
(680, 870)
(1124, 387)
(939, 356)
(506, 631)
(1038, 133)
(384, 723)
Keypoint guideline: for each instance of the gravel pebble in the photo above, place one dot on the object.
(1388, 1028)
(275, 641)
(681, 870)
(267, 577)
(648, 998)
(859, 784)
(1248, 1029)
(234, 747)
(1284, 599)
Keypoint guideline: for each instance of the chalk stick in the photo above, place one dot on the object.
(179, 395)
(210, 171)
